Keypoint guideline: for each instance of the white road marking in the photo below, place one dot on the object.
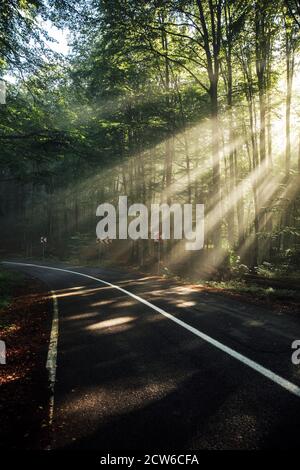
(289, 386)
(52, 355)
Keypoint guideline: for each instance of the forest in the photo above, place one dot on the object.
(176, 101)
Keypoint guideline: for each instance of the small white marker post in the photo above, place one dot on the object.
(43, 243)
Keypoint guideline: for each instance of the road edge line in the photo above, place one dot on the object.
(283, 383)
(51, 363)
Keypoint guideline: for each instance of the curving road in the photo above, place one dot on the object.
(146, 363)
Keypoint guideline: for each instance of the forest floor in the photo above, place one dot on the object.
(25, 321)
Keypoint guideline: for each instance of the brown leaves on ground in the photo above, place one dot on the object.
(24, 392)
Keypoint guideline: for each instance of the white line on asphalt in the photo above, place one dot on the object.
(289, 386)
(52, 355)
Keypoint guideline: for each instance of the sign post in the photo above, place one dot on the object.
(158, 239)
(43, 243)
(100, 242)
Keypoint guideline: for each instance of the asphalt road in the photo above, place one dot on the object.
(128, 377)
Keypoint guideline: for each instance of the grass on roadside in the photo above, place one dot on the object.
(241, 287)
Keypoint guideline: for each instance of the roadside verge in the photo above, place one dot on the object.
(25, 323)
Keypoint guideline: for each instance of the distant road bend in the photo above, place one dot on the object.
(146, 363)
